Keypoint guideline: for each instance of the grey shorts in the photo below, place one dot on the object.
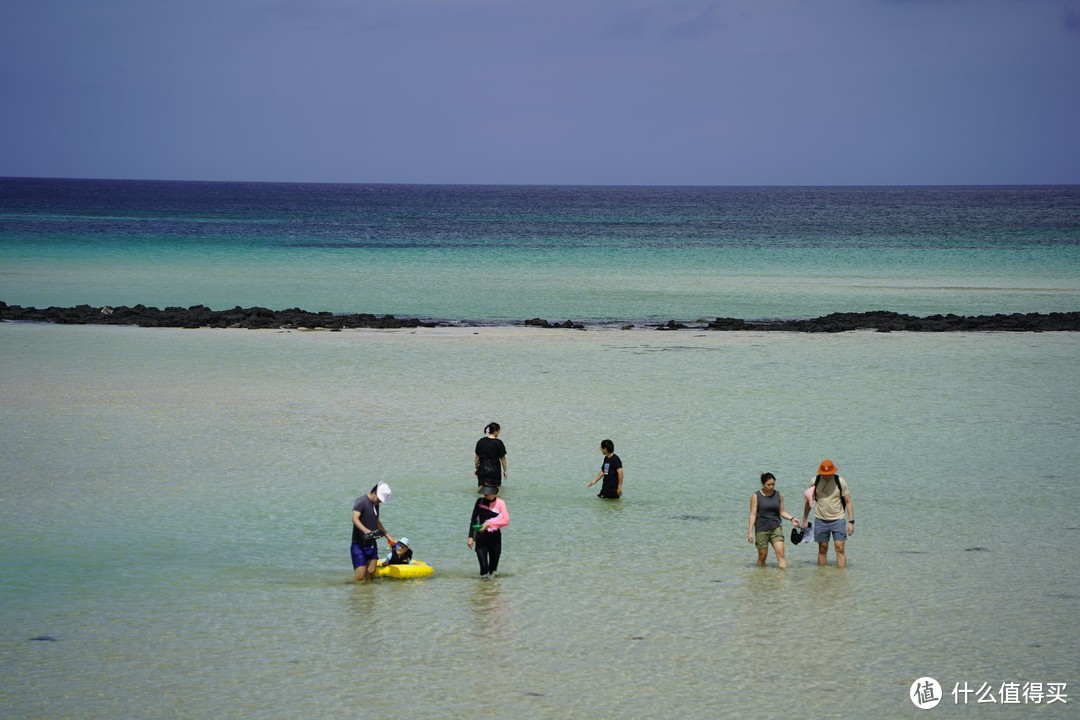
(824, 528)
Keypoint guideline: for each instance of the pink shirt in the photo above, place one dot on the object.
(502, 517)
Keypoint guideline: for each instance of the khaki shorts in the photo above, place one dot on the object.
(765, 538)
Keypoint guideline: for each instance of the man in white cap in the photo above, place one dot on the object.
(367, 529)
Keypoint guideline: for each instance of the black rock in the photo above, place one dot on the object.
(200, 316)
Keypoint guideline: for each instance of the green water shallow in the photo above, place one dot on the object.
(176, 503)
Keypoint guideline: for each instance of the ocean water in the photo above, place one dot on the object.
(506, 254)
(174, 504)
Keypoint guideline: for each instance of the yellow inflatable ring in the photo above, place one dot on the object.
(415, 569)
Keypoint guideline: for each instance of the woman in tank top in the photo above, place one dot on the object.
(766, 526)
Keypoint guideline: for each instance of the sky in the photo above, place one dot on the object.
(611, 92)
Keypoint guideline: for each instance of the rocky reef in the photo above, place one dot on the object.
(200, 316)
(885, 321)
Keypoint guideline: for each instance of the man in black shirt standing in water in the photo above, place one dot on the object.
(611, 471)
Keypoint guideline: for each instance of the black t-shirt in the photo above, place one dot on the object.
(490, 451)
(369, 517)
(610, 466)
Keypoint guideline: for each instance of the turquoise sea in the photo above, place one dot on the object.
(508, 253)
(174, 504)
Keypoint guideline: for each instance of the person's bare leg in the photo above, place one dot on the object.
(778, 548)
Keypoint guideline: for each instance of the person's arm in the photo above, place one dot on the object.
(794, 520)
(597, 478)
(805, 511)
(472, 524)
(476, 465)
(618, 491)
(389, 539)
(753, 518)
(850, 514)
(506, 473)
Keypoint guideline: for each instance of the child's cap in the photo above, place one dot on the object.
(403, 541)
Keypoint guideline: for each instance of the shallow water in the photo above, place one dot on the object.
(175, 513)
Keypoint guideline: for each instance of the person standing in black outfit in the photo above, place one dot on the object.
(611, 470)
(489, 465)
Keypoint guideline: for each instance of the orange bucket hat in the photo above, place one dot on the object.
(826, 468)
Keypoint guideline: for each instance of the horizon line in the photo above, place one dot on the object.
(530, 184)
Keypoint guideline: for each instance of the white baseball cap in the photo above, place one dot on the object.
(383, 492)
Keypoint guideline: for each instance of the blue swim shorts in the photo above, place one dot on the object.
(824, 528)
(363, 554)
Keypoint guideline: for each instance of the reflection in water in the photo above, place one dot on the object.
(492, 614)
(362, 600)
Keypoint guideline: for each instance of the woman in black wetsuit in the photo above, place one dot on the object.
(489, 517)
(489, 465)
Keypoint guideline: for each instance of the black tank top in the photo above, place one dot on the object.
(768, 511)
